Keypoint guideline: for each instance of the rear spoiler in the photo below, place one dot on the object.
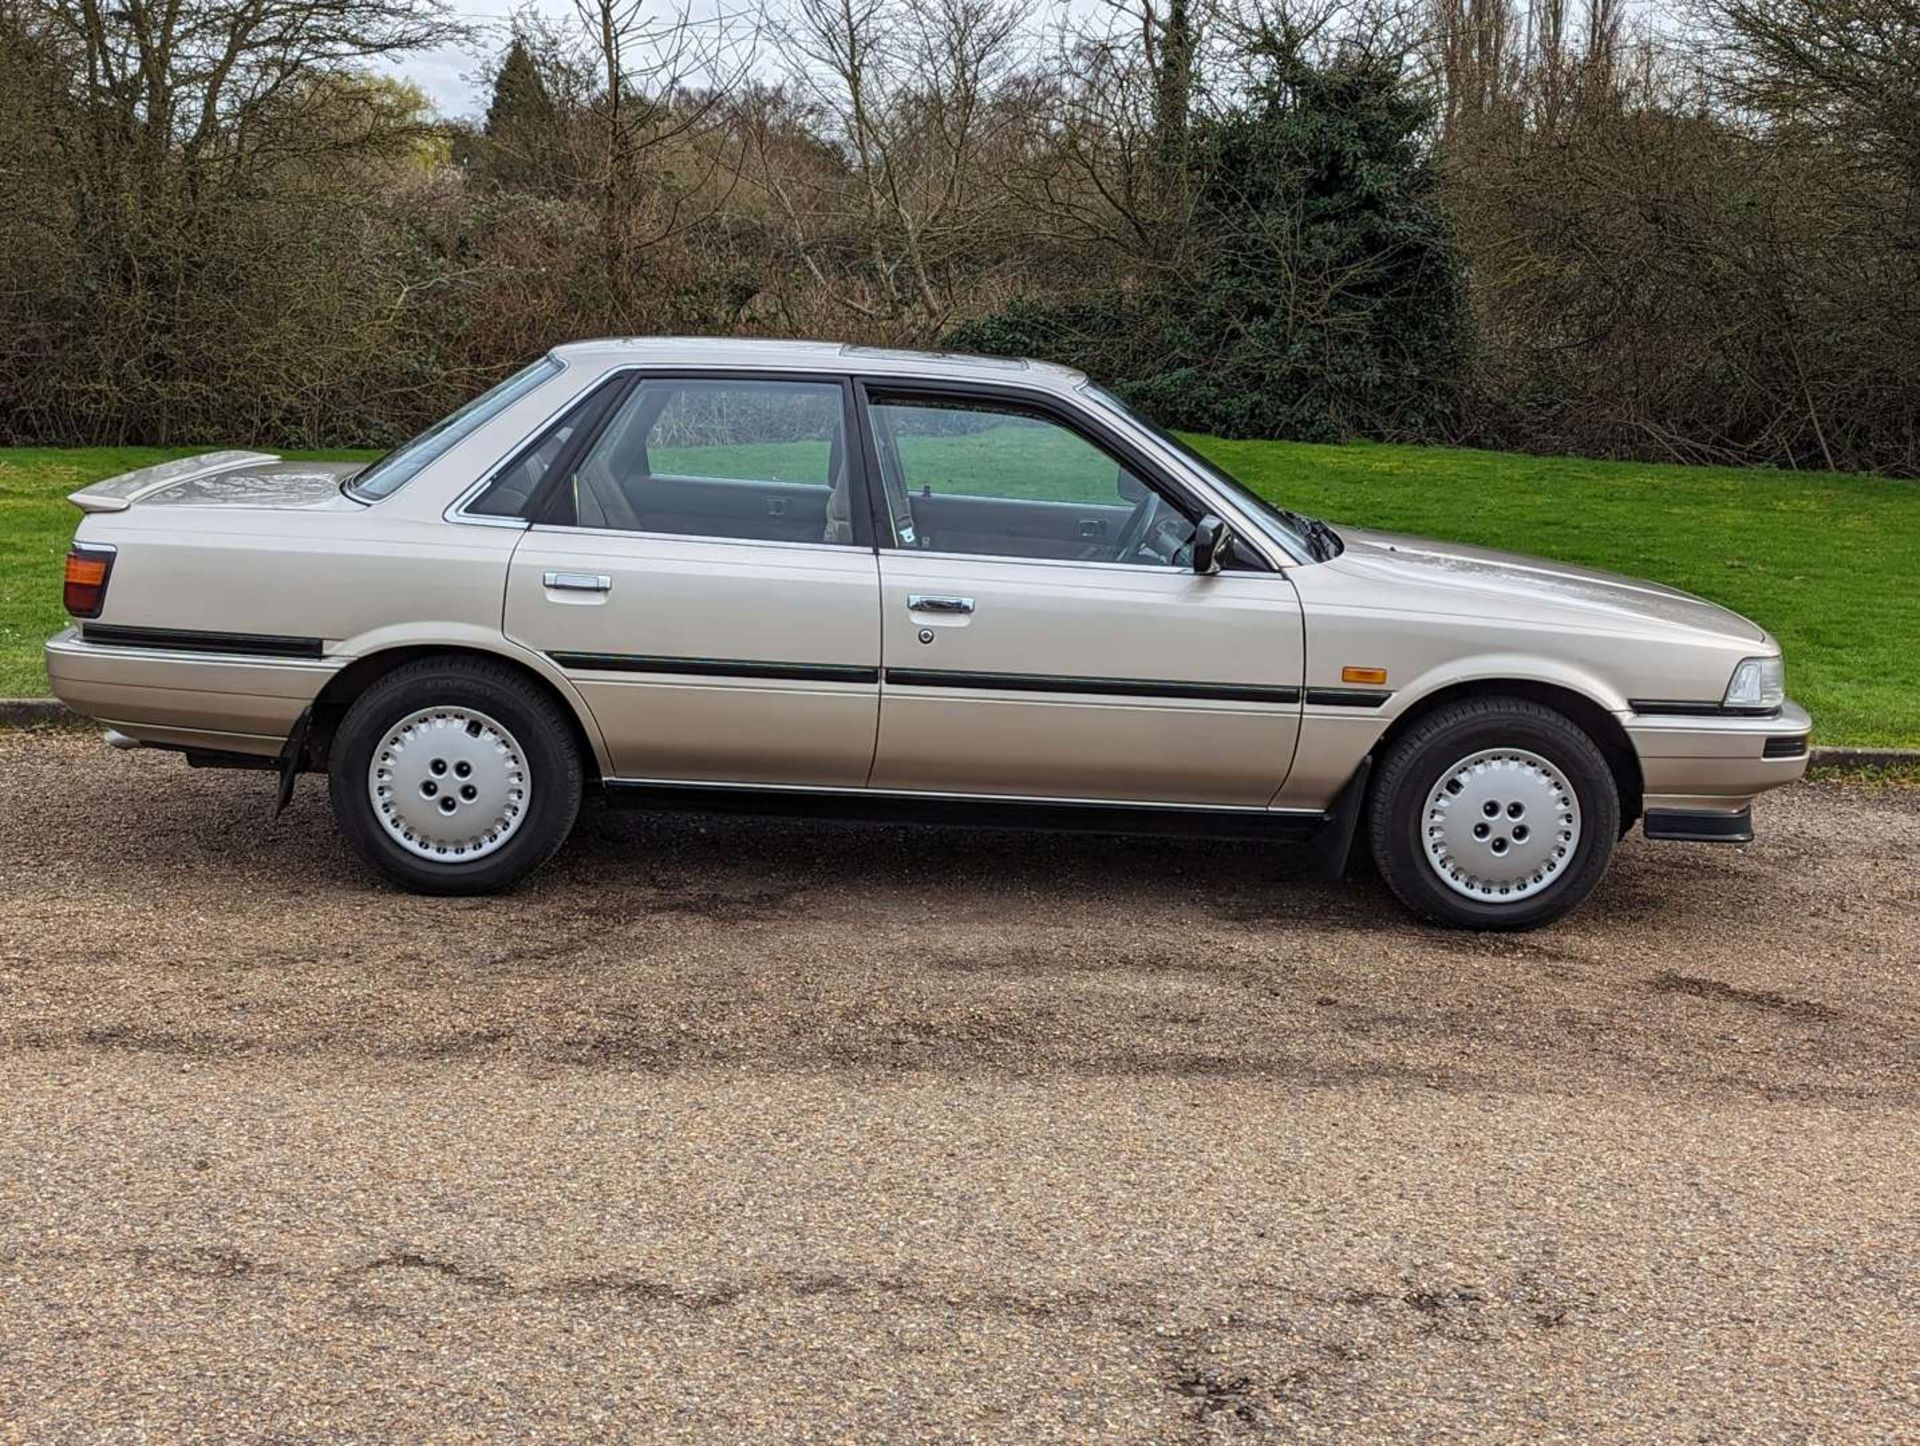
(117, 494)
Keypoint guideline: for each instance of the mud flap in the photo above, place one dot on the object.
(1334, 841)
(291, 757)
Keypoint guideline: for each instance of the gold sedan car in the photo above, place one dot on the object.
(778, 576)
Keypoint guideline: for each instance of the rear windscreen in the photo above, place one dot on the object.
(398, 467)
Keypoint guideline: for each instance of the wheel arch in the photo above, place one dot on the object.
(333, 701)
(1590, 715)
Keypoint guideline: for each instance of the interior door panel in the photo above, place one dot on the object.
(724, 507)
(1017, 527)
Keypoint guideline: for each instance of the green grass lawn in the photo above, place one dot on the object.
(1016, 459)
(1830, 564)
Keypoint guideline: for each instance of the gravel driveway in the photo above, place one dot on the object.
(728, 1130)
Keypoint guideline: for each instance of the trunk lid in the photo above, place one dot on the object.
(222, 479)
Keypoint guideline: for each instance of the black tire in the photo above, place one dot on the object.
(1413, 769)
(553, 771)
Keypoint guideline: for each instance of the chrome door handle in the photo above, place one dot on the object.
(580, 581)
(920, 602)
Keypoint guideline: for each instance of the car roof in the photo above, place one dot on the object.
(827, 356)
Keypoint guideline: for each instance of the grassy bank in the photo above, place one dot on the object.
(1830, 564)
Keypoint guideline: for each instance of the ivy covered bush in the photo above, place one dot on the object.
(1317, 297)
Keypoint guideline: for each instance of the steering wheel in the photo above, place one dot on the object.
(1156, 534)
(1139, 522)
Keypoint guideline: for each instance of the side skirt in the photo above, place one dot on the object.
(970, 811)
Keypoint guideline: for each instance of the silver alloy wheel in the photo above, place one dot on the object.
(449, 784)
(1501, 825)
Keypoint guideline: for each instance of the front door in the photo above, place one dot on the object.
(1043, 633)
(704, 578)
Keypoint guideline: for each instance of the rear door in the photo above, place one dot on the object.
(1043, 633)
(699, 569)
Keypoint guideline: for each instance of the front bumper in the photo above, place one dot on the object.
(1700, 774)
(177, 698)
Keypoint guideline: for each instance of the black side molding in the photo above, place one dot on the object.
(185, 640)
(1346, 697)
(1684, 708)
(718, 667)
(1686, 825)
(1066, 683)
(1110, 687)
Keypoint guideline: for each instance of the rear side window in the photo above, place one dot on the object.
(735, 459)
(739, 431)
(404, 463)
(513, 492)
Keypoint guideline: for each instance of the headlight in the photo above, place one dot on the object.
(1757, 683)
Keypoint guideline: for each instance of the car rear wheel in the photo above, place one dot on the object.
(455, 776)
(1494, 813)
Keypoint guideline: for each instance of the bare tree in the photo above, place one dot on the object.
(1838, 69)
(183, 140)
(1113, 166)
(913, 94)
(174, 86)
(664, 79)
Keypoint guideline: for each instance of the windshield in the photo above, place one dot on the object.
(1308, 536)
(398, 467)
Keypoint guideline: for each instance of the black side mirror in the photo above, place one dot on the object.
(1211, 539)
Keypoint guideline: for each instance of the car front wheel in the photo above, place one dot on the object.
(455, 776)
(1494, 813)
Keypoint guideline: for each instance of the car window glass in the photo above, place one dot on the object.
(400, 466)
(515, 487)
(758, 461)
(1279, 520)
(1005, 481)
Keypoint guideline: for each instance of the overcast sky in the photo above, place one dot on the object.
(448, 75)
(451, 76)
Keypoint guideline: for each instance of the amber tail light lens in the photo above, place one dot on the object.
(89, 565)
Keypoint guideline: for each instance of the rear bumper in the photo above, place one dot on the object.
(1700, 775)
(178, 698)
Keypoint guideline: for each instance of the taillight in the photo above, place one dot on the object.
(89, 565)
